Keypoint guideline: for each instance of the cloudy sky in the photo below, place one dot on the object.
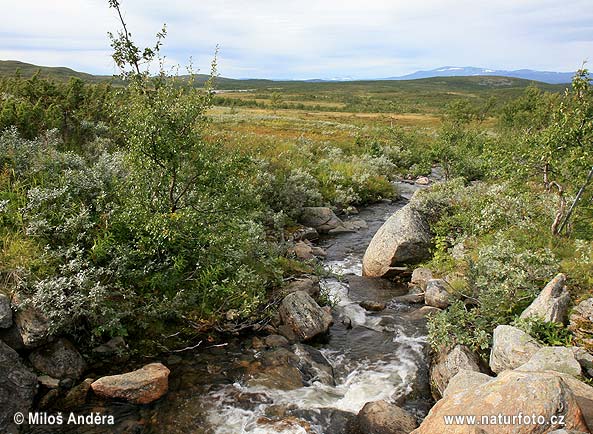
(308, 38)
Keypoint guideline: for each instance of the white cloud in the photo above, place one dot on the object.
(292, 39)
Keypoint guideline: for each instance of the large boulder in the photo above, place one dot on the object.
(552, 303)
(511, 347)
(465, 380)
(59, 359)
(5, 312)
(543, 394)
(559, 359)
(18, 386)
(447, 365)
(436, 294)
(322, 219)
(142, 386)
(303, 316)
(581, 323)
(381, 417)
(405, 238)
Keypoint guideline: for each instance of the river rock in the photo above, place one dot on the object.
(273, 341)
(465, 380)
(78, 394)
(447, 365)
(552, 303)
(289, 368)
(305, 233)
(32, 326)
(511, 348)
(381, 417)
(59, 359)
(511, 393)
(303, 251)
(420, 276)
(310, 285)
(322, 219)
(5, 312)
(403, 239)
(49, 382)
(422, 313)
(414, 295)
(559, 359)
(303, 316)
(436, 294)
(142, 386)
(581, 323)
(18, 386)
(372, 305)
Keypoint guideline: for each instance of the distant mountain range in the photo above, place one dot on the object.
(8, 67)
(465, 71)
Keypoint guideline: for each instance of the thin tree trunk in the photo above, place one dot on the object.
(576, 200)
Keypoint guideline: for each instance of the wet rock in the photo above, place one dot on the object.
(288, 369)
(414, 295)
(304, 316)
(32, 326)
(59, 359)
(322, 219)
(511, 348)
(552, 303)
(286, 424)
(581, 324)
(332, 419)
(313, 365)
(18, 386)
(372, 306)
(381, 417)
(511, 393)
(436, 294)
(142, 386)
(422, 313)
(420, 276)
(280, 377)
(77, 396)
(5, 312)
(465, 380)
(310, 285)
(273, 341)
(559, 359)
(115, 346)
(403, 239)
(49, 382)
(446, 365)
(353, 225)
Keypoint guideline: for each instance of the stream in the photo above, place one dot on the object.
(372, 356)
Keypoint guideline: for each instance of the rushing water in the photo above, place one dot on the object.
(373, 356)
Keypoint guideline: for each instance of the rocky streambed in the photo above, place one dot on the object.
(375, 351)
